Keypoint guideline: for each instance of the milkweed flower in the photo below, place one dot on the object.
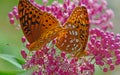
(47, 61)
(103, 46)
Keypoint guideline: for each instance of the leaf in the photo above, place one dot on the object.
(10, 65)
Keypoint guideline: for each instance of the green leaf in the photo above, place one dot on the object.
(10, 65)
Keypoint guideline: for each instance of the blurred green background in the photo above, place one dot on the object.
(10, 40)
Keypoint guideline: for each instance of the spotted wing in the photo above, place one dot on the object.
(38, 27)
(30, 20)
(77, 31)
(51, 29)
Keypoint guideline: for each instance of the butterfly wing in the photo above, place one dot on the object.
(51, 28)
(77, 31)
(38, 27)
(30, 20)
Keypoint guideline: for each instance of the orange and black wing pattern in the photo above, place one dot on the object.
(38, 27)
(77, 32)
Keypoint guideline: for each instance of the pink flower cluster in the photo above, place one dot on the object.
(103, 46)
(13, 15)
(48, 62)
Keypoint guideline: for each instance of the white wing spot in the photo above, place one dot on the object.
(77, 40)
(65, 36)
(69, 25)
(74, 45)
(72, 48)
(68, 45)
(62, 44)
(65, 40)
(73, 32)
(71, 41)
(70, 32)
(73, 26)
(76, 33)
(79, 49)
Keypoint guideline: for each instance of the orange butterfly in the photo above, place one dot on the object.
(74, 39)
(38, 27)
(41, 27)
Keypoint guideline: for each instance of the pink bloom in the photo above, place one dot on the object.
(104, 47)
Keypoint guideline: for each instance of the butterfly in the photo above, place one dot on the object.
(39, 27)
(74, 38)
